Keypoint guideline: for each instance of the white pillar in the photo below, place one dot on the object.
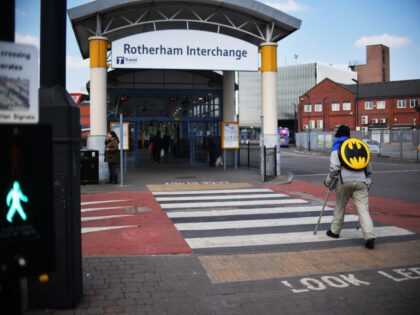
(269, 100)
(98, 100)
(229, 114)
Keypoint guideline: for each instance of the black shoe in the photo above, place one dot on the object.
(333, 235)
(370, 243)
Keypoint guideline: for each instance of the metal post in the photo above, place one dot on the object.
(262, 155)
(7, 21)
(121, 151)
(265, 163)
(248, 155)
(236, 159)
(401, 145)
(275, 161)
(10, 295)
(224, 159)
(53, 43)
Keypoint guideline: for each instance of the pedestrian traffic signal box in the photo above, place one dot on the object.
(26, 201)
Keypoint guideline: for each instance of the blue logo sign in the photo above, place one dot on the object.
(120, 60)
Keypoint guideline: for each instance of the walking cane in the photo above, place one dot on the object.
(331, 187)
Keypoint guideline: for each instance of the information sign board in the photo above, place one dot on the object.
(115, 126)
(230, 135)
(18, 83)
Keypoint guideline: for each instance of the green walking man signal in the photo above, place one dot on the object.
(13, 199)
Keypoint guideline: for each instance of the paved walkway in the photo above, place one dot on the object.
(146, 264)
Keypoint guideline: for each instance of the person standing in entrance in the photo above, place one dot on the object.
(112, 156)
(350, 184)
(156, 148)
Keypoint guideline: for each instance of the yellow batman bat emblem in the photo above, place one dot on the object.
(354, 154)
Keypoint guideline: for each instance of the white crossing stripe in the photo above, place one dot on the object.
(222, 197)
(217, 225)
(104, 228)
(230, 203)
(215, 191)
(286, 238)
(85, 219)
(100, 201)
(224, 212)
(101, 208)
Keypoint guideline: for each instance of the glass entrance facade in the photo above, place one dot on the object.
(188, 122)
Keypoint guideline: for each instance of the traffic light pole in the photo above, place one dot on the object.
(65, 287)
(10, 294)
(10, 297)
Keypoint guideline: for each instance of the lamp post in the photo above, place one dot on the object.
(356, 108)
(325, 113)
(296, 122)
(309, 121)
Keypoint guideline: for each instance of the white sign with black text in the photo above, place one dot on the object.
(18, 83)
(184, 49)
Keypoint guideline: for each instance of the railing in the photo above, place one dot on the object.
(250, 156)
(401, 144)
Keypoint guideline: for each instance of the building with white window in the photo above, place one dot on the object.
(293, 81)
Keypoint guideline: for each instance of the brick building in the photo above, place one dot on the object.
(377, 67)
(381, 106)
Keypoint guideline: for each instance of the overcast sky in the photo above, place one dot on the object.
(332, 31)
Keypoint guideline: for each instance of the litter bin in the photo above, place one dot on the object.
(89, 167)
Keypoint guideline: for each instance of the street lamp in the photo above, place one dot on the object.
(296, 122)
(324, 108)
(356, 109)
(309, 121)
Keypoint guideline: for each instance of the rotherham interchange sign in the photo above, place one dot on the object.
(184, 49)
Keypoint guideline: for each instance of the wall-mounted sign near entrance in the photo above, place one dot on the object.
(184, 49)
(230, 135)
(115, 126)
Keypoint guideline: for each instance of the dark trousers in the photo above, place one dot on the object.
(156, 156)
(113, 172)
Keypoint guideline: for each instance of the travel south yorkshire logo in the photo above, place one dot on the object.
(124, 60)
(120, 60)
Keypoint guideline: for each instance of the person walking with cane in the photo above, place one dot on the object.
(349, 161)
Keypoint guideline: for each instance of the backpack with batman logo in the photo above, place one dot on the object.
(354, 154)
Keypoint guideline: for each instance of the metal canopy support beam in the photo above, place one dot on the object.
(244, 20)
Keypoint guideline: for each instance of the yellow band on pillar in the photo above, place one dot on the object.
(268, 57)
(97, 52)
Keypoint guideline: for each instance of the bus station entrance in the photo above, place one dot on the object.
(175, 64)
(187, 118)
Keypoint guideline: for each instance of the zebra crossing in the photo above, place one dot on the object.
(114, 212)
(257, 219)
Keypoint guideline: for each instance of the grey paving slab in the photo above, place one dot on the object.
(178, 284)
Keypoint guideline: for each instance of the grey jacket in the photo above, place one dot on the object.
(345, 175)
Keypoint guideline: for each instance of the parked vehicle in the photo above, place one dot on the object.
(374, 146)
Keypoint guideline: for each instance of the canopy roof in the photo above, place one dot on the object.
(248, 20)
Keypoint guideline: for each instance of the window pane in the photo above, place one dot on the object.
(347, 106)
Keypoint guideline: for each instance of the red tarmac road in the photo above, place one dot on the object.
(152, 232)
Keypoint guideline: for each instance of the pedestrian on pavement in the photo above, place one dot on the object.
(166, 142)
(156, 148)
(112, 156)
(350, 184)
